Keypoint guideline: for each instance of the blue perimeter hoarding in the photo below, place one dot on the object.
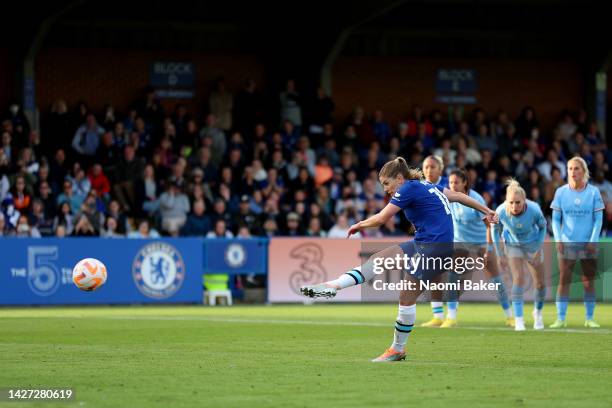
(39, 271)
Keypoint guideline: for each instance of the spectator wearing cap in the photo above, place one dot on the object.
(198, 223)
(174, 206)
(293, 227)
(246, 216)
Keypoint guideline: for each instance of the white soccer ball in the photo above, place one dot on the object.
(89, 274)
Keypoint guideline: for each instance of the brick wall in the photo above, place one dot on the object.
(98, 76)
(395, 84)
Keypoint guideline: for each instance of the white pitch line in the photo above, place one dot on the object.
(325, 323)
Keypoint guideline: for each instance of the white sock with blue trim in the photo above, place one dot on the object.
(404, 323)
(355, 276)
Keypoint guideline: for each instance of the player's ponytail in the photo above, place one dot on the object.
(398, 166)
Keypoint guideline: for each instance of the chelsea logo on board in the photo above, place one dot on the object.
(158, 270)
(235, 255)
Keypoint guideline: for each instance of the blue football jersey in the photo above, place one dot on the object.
(577, 208)
(427, 208)
(468, 221)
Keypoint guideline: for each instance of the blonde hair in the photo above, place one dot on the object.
(584, 166)
(513, 186)
(437, 159)
(398, 166)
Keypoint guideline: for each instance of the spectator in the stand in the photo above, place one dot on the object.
(418, 118)
(64, 218)
(148, 191)
(127, 172)
(20, 123)
(57, 128)
(58, 168)
(45, 195)
(218, 145)
(68, 195)
(174, 206)
(290, 104)
(321, 112)
(270, 227)
(341, 227)
(247, 107)
(380, 127)
(526, 122)
(221, 103)
(23, 228)
(114, 211)
(554, 181)
(220, 230)
(315, 229)
(87, 137)
(292, 225)
(198, 223)
(22, 196)
(361, 127)
(245, 216)
(110, 229)
(484, 140)
(39, 220)
(144, 231)
(80, 183)
(6, 145)
(552, 161)
(566, 126)
(99, 182)
(220, 212)
(203, 161)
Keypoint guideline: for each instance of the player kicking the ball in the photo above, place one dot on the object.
(427, 207)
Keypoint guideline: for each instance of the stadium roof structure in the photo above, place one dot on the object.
(504, 28)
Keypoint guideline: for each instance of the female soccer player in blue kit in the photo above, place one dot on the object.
(522, 227)
(427, 207)
(471, 238)
(577, 219)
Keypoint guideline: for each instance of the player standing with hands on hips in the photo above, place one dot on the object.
(577, 219)
(427, 207)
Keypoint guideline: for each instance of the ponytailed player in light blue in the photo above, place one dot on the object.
(471, 240)
(427, 207)
(522, 228)
(577, 219)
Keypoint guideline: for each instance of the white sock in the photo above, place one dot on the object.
(508, 312)
(437, 309)
(537, 313)
(406, 317)
(451, 313)
(519, 320)
(355, 276)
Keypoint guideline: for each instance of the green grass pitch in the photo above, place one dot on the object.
(301, 356)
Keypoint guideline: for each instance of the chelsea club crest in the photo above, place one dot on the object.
(158, 270)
